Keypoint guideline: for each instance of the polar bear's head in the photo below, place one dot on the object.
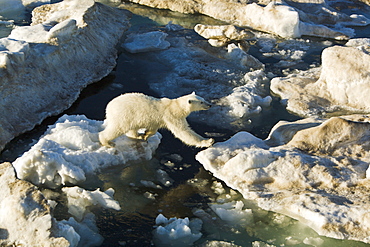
(195, 102)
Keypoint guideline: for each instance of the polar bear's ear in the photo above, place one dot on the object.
(193, 93)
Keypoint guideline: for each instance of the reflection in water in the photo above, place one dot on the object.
(163, 17)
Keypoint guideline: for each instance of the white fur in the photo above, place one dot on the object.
(140, 116)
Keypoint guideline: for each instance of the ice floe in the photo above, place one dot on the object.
(233, 213)
(79, 200)
(25, 216)
(67, 152)
(69, 45)
(176, 232)
(317, 173)
(290, 19)
(223, 35)
(340, 84)
(70, 150)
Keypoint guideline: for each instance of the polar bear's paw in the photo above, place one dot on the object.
(109, 144)
(206, 143)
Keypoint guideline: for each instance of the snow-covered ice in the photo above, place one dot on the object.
(176, 232)
(334, 87)
(70, 149)
(233, 213)
(81, 233)
(68, 45)
(25, 215)
(318, 174)
(291, 19)
(246, 100)
(67, 152)
(80, 200)
(221, 35)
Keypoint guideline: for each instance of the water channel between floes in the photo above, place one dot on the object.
(192, 188)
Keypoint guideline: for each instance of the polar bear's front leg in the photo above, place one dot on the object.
(182, 131)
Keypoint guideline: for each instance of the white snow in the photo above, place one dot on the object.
(335, 87)
(239, 56)
(81, 233)
(363, 44)
(358, 42)
(246, 100)
(25, 216)
(291, 19)
(12, 52)
(70, 149)
(80, 200)
(72, 44)
(318, 173)
(275, 18)
(233, 213)
(176, 232)
(221, 35)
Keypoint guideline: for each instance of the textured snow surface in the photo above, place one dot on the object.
(70, 149)
(317, 173)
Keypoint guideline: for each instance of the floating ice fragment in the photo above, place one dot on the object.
(215, 243)
(164, 178)
(335, 87)
(176, 232)
(239, 56)
(316, 176)
(150, 184)
(79, 200)
(86, 230)
(70, 149)
(161, 219)
(145, 42)
(233, 213)
(246, 100)
(149, 195)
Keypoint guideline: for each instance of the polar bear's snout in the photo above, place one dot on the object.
(203, 105)
(207, 104)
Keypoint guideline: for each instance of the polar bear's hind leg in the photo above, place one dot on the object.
(108, 135)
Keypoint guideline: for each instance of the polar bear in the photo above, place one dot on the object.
(140, 116)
